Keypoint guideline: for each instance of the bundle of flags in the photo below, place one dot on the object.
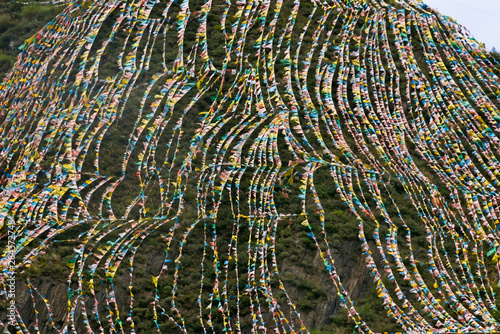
(368, 90)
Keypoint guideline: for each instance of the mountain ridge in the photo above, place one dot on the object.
(250, 166)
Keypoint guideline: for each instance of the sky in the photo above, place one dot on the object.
(480, 17)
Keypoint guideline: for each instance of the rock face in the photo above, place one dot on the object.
(250, 166)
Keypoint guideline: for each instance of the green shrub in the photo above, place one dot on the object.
(31, 11)
(6, 63)
(5, 22)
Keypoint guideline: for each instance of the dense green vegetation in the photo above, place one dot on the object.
(19, 22)
(301, 270)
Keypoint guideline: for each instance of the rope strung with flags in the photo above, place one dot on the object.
(119, 117)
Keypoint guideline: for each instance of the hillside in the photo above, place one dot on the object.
(247, 166)
(19, 22)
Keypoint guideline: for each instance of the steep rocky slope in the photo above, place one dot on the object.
(250, 166)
